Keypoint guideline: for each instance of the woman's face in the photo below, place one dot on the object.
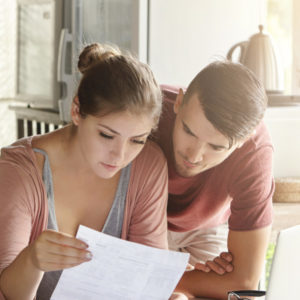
(109, 143)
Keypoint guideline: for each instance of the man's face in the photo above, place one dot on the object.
(197, 145)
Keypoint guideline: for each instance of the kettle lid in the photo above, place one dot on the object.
(260, 34)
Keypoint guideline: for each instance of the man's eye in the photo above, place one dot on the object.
(106, 135)
(187, 130)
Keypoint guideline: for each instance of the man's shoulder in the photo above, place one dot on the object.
(255, 152)
(262, 134)
(261, 138)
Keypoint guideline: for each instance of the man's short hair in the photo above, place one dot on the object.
(233, 99)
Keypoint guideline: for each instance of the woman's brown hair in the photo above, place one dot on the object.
(113, 81)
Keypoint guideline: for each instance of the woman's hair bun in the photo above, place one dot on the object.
(95, 53)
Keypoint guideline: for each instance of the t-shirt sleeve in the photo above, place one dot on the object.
(252, 188)
(148, 222)
(15, 213)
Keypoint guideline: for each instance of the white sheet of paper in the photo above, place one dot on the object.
(121, 270)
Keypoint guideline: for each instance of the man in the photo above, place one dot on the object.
(220, 176)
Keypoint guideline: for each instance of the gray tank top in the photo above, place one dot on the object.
(113, 224)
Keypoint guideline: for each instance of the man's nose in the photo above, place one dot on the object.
(196, 154)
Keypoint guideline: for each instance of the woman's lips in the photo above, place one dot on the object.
(109, 167)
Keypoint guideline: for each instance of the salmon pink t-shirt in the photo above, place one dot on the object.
(239, 190)
(24, 208)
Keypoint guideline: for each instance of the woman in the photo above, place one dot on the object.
(99, 172)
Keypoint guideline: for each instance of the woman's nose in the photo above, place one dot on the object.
(118, 153)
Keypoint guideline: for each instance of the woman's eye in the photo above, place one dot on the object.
(217, 148)
(139, 142)
(106, 135)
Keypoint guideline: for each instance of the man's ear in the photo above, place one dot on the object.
(75, 115)
(178, 101)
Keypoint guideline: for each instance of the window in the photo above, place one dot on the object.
(7, 48)
(282, 24)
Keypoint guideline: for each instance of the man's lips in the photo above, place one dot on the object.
(189, 164)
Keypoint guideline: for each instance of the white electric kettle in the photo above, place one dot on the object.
(258, 54)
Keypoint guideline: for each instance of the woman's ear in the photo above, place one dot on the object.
(75, 114)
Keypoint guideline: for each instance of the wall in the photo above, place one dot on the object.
(7, 70)
(7, 48)
(8, 130)
(296, 48)
(284, 126)
(185, 35)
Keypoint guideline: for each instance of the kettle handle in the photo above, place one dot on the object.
(242, 45)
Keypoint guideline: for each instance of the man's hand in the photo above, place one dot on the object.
(221, 264)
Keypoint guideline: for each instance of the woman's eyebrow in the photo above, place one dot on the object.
(116, 132)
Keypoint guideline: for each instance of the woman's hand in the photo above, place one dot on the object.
(221, 264)
(53, 251)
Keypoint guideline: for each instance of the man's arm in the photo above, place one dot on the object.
(248, 249)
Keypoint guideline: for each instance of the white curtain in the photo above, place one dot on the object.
(8, 15)
(296, 48)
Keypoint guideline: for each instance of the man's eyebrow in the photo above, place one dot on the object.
(193, 134)
(188, 129)
(117, 133)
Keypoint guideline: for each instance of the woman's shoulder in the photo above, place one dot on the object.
(20, 152)
(18, 168)
(150, 166)
(18, 161)
(151, 155)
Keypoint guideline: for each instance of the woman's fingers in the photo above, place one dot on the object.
(64, 250)
(55, 251)
(53, 262)
(55, 266)
(67, 259)
(64, 239)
